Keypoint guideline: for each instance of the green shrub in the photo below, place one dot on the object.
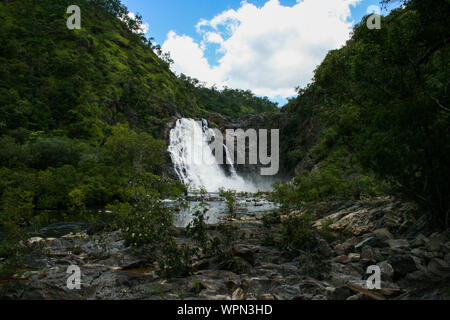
(297, 234)
(230, 200)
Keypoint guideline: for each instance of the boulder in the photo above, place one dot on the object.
(346, 247)
(370, 241)
(356, 223)
(395, 244)
(324, 248)
(387, 271)
(383, 234)
(439, 267)
(419, 241)
(340, 293)
(403, 264)
(367, 255)
(433, 245)
(354, 257)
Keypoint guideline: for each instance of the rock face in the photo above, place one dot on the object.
(411, 268)
(261, 121)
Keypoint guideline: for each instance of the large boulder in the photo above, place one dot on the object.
(356, 223)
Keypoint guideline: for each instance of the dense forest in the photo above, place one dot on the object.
(84, 111)
(382, 104)
(229, 102)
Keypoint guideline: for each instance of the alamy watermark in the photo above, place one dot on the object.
(74, 280)
(374, 20)
(74, 20)
(374, 280)
(238, 147)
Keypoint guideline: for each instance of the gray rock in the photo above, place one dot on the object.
(383, 234)
(398, 243)
(367, 255)
(387, 271)
(324, 248)
(433, 244)
(403, 264)
(439, 267)
(340, 293)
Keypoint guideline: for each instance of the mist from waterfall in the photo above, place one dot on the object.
(195, 163)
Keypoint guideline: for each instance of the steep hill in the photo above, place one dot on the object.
(80, 81)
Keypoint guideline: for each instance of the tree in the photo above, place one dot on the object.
(387, 91)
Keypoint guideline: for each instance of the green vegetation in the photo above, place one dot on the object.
(81, 111)
(382, 102)
(230, 201)
(230, 102)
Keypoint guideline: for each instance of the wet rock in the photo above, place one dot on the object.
(246, 252)
(367, 255)
(313, 288)
(370, 241)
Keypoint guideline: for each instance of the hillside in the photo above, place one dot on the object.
(81, 81)
(381, 103)
(83, 112)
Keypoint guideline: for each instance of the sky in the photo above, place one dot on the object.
(267, 46)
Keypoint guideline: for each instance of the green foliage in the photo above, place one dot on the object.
(53, 152)
(230, 200)
(297, 234)
(386, 99)
(330, 181)
(230, 102)
(81, 80)
(148, 222)
(197, 228)
(126, 148)
(177, 261)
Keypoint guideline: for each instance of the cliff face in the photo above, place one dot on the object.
(305, 136)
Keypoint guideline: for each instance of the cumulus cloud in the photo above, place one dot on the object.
(269, 50)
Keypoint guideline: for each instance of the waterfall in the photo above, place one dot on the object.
(195, 163)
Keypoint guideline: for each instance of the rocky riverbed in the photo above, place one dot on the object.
(414, 263)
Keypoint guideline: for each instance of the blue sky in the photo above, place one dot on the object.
(180, 18)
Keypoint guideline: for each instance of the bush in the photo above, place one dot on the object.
(328, 182)
(148, 222)
(230, 200)
(297, 234)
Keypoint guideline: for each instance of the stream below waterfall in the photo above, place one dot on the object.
(59, 223)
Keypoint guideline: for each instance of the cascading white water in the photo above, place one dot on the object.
(195, 163)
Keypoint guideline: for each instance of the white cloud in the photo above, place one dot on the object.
(269, 50)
